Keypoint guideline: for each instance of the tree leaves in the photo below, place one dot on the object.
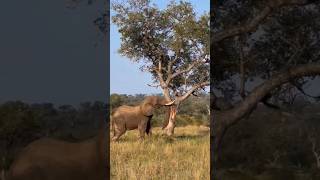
(174, 34)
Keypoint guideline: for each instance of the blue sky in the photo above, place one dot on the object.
(125, 76)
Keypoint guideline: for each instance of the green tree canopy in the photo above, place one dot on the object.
(172, 43)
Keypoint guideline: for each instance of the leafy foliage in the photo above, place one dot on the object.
(165, 41)
(287, 38)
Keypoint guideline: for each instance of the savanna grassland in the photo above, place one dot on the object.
(185, 156)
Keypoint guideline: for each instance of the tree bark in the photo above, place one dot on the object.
(169, 123)
(222, 122)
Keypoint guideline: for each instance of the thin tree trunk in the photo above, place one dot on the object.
(242, 72)
(242, 80)
(314, 151)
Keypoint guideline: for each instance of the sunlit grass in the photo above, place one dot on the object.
(185, 156)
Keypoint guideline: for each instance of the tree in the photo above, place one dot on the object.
(172, 44)
(116, 100)
(274, 41)
(18, 126)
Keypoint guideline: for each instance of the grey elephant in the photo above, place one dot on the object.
(126, 118)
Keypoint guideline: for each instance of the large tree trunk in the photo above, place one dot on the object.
(170, 120)
(223, 121)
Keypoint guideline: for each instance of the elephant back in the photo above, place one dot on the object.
(146, 108)
(125, 110)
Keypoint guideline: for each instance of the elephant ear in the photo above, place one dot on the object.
(147, 109)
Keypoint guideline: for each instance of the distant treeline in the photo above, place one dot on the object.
(21, 123)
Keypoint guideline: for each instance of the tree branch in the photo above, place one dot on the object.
(190, 91)
(300, 88)
(169, 68)
(314, 151)
(250, 26)
(232, 116)
(242, 70)
(178, 72)
(160, 75)
(154, 85)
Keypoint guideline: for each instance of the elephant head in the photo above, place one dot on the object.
(151, 102)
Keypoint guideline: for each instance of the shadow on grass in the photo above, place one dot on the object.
(183, 137)
(161, 137)
(190, 137)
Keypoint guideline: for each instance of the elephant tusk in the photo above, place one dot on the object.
(170, 103)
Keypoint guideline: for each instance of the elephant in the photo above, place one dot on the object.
(51, 159)
(132, 117)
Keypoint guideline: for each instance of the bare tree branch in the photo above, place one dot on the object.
(314, 151)
(154, 85)
(178, 72)
(191, 90)
(251, 25)
(170, 64)
(244, 108)
(242, 70)
(160, 75)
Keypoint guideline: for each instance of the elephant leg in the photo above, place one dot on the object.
(148, 128)
(118, 131)
(142, 127)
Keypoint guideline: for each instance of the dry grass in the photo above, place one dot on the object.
(186, 156)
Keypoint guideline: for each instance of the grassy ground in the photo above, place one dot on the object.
(186, 156)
